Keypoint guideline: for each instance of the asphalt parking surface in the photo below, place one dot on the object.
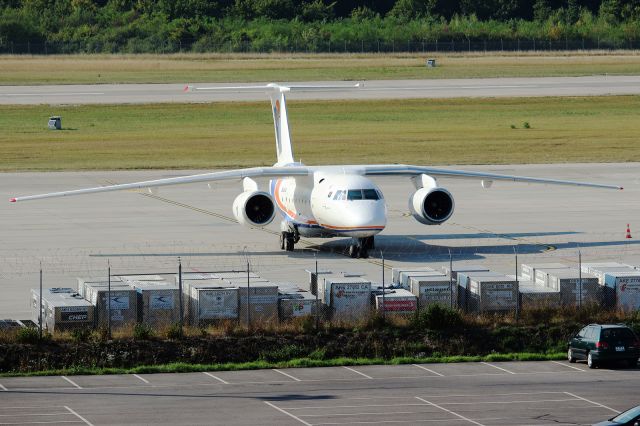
(505, 393)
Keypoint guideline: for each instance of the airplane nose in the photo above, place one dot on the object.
(372, 219)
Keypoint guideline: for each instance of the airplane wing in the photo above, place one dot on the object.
(255, 172)
(408, 170)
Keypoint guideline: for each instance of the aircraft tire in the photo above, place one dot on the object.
(289, 242)
(283, 240)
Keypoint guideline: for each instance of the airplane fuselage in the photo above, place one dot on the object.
(327, 204)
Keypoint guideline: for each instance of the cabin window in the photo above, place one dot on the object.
(354, 194)
(330, 192)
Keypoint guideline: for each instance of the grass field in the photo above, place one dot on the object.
(200, 136)
(89, 69)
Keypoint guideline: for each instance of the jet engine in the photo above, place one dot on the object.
(431, 205)
(254, 208)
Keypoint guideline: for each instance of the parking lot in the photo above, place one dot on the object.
(506, 393)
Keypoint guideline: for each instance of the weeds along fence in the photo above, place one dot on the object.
(317, 46)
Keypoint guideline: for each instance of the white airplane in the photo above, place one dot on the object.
(324, 201)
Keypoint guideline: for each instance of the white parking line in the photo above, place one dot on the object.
(3, 388)
(499, 368)
(429, 370)
(287, 375)
(72, 382)
(568, 366)
(593, 402)
(508, 402)
(328, 407)
(288, 414)
(78, 416)
(357, 372)
(141, 378)
(386, 413)
(215, 377)
(449, 411)
(57, 422)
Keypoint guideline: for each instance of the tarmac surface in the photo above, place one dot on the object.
(505, 393)
(373, 89)
(138, 232)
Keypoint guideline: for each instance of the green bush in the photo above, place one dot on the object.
(80, 335)
(439, 317)
(27, 335)
(175, 331)
(142, 332)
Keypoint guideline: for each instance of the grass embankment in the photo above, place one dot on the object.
(183, 68)
(181, 367)
(446, 131)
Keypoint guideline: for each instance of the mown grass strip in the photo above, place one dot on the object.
(418, 131)
(294, 363)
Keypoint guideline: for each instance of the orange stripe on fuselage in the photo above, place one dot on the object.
(282, 207)
(351, 227)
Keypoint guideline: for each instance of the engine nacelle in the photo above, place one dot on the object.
(431, 206)
(254, 208)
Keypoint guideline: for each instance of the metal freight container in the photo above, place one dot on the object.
(406, 276)
(158, 302)
(259, 303)
(567, 281)
(626, 286)
(397, 302)
(63, 309)
(349, 298)
(463, 280)
(541, 276)
(528, 270)
(434, 290)
(313, 279)
(492, 293)
(123, 303)
(295, 303)
(535, 296)
(84, 282)
(395, 272)
(463, 268)
(208, 302)
(600, 269)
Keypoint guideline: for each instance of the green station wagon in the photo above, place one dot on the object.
(599, 343)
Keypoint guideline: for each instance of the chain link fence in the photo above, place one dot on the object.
(316, 46)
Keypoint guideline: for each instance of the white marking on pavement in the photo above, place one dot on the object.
(287, 375)
(352, 406)
(72, 382)
(52, 94)
(386, 413)
(43, 423)
(507, 402)
(287, 413)
(79, 416)
(429, 370)
(449, 411)
(396, 421)
(593, 402)
(499, 368)
(215, 377)
(3, 388)
(357, 372)
(141, 378)
(568, 366)
(65, 413)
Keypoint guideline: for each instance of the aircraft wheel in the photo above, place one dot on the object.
(353, 251)
(289, 242)
(283, 240)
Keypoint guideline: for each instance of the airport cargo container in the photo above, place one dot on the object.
(395, 272)
(62, 309)
(430, 290)
(349, 298)
(541, 276)
(158, 302)
(124, 303)
(259, 302)
(528, 270)
(397, 302)
(313, 279)
(406, 276)
(292, 304)
(600, 269)
(84, 282)
(626, 286)
(567, 281)
(536, 296)
(488, 293)
(145, 277)
(208, 303)
(463, 280)
(463, 268)
(9, 324)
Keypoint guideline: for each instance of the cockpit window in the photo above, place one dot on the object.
(330, 192)
(338, 195)
(370, 194)
(354, 194)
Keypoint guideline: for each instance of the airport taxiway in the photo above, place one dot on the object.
(373, 89)
(481, 394)
(138, 232)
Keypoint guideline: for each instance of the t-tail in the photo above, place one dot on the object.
(276, 92)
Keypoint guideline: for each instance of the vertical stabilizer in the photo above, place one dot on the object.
(281, 125)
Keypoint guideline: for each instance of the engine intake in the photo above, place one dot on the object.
(254, 208)
(431, 206)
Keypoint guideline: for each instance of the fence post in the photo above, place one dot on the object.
(450, 279)
(108, 300)
(384, 306)
(249, 298)
(501, 46)
(180, 312)
(40, 306)
(515, 251)
(579, 279)
(315, 255)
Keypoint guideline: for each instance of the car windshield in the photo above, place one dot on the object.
(627, 415)
(615, 334)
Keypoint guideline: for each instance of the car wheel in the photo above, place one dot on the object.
(590, 362)
(570, 356)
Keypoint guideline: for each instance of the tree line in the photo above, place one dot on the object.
(268, 25)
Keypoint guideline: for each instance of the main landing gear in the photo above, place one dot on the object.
(359, 248)
(288, 240)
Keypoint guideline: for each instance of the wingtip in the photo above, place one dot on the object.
(621, 189)
(187, 88)
(13, 200)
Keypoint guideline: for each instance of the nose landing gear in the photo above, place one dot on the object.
(359, 248)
